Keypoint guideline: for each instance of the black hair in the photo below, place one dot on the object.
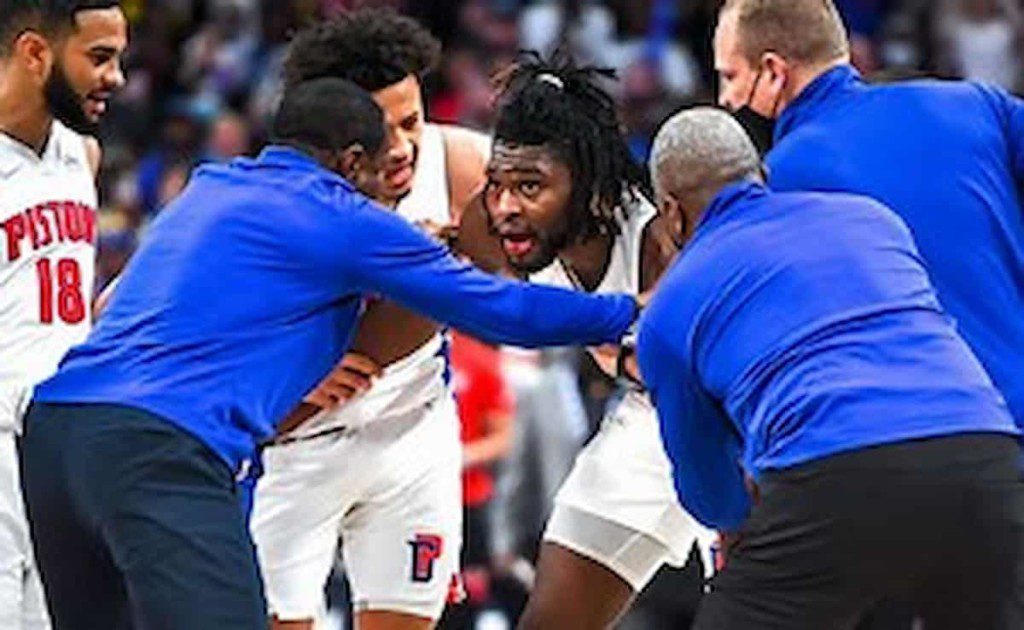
(47, 16)
(329, 114)
(562, 107)
(373, 48)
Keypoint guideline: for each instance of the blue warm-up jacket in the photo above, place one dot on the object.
(795, 326)
(948, 158)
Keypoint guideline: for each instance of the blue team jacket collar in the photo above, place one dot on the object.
(818, 91)
(726, 199)
(288, 157)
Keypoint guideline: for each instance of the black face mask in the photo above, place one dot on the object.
(761, 129)
(66, 105)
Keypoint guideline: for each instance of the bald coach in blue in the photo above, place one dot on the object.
(817, 403)
(243, 295)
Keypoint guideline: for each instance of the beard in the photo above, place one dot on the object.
(546, 248)
(66, 105)
(538, 261)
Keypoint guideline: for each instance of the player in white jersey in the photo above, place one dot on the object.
(59, 62)
(566, 200)
(381, 472)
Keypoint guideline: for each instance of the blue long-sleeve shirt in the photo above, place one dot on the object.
(247, 288)
(795, 326)
(948, 157)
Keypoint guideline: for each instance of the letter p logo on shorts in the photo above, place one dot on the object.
(426, 548)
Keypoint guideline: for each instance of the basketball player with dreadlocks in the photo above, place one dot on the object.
(568, 204)
(380, 471)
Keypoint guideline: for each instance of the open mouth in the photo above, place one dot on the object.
(518, 245)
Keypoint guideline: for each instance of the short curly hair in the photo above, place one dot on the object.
(373, 48)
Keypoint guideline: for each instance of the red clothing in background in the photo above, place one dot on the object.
(480, 391)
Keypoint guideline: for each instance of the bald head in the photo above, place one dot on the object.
(701, 148)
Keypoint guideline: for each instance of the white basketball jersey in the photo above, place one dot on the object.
(47, 260)
(621, 276)
(623, 272)
(412, 382)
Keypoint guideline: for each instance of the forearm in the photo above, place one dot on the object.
(501, 311)
(699, 440)
(705, 467)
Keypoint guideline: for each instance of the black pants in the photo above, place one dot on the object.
(135, 523)
(476, 538)
(936, 523)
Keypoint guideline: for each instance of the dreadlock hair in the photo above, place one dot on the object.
(373, 48)
(46, 16)
(562, 107)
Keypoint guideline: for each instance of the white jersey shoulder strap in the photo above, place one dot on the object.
(624, 261)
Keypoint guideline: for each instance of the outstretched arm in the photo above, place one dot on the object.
(388, 256)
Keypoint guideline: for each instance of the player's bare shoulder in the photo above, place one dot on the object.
(466, 155)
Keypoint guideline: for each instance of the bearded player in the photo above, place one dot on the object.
(59, 64)
(568, 204)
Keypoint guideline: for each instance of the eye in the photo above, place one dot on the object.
(98, 58)
(529, 188)
(411, 122)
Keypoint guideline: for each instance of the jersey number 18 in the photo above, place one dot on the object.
(69, 300)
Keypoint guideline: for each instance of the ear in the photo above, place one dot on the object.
(362, 169)
(777, 71)
(670, 211)
(351, 161)
(35, 53)
(676, 219)
(668, 206)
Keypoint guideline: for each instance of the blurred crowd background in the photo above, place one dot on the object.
(203, 74)
(203, 77)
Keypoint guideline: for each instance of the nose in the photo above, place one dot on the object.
(400, 149)
(505, 206)
(115, 77)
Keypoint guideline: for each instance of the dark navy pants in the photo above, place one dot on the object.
(135, 524)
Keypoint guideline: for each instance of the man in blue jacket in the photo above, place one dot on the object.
(243, 295)
(948, 157)
(796, 346)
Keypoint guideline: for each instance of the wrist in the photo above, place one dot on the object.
(625, 364)
(638, 309)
